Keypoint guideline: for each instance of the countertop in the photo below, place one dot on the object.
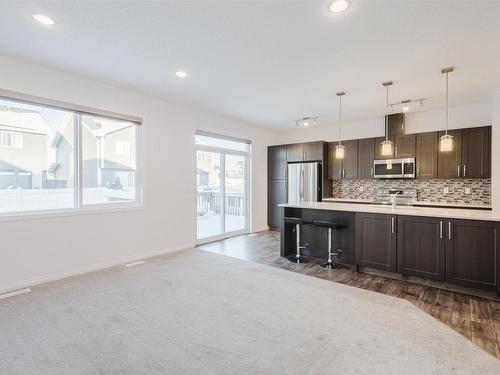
(451, 213)
(418, 203)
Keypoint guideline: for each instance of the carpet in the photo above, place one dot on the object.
(196, 312)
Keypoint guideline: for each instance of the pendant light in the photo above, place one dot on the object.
(387, 145)
(446, 141)
(339, 149)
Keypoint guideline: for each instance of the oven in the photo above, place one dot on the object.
(394, 168)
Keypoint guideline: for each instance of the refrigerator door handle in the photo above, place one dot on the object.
(301, 184)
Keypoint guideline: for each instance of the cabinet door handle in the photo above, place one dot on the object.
(343, 173)
(392, 224)
(373, 171)
(396, 151)
(458, 170)
(463, 175)
(441, 229)
(449, 230)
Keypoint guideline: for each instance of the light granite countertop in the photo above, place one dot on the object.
(446, 213)
(418, 203)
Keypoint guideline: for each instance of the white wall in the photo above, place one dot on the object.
(40, 249)
(418, 122)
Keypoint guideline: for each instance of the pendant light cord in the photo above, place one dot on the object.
(387, 114)
(340, 119)
(446, 106)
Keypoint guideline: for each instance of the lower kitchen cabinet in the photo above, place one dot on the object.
(276, 195)
(473, 254)
(376, 241)
(421, 247)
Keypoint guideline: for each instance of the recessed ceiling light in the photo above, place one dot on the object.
(43, 19)
(338, 6)
(181, 74)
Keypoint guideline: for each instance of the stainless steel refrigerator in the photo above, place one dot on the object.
(304, 182)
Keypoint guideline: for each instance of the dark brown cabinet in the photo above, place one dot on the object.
(346, 168)
(404, 146)
(378, 149)
(311, 151)
(366, 150)
(450, 162)
(396, 124)
(314, 151)
(295, 152)
(427, 155)
(421, 247)
(334, 165)
(473, 254)
(277, 194)
(277, 165)
(376, 241)
(476, 152)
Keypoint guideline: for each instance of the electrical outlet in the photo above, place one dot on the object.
(467, 190)
(446, 190)
(361, 189)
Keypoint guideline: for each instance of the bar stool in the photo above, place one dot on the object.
(327, 224)
(298, 222)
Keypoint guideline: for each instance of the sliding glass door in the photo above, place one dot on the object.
(222, 188)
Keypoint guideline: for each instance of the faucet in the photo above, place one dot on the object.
(393, 200)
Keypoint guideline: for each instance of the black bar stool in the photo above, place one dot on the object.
(298, 222)
(327, 224)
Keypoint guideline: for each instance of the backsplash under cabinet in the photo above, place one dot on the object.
(468, 191)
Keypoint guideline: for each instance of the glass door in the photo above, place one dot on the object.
(235, 193)
(222, 188)
(208, 194)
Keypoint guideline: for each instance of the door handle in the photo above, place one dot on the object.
(463, 174)
(441, 230)
(449, 230)
(392, 224)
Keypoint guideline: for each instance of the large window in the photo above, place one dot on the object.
(222, 186)
(53, 158)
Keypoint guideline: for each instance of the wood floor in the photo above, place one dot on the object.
(474, 318)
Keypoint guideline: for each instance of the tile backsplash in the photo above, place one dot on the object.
(432, 190)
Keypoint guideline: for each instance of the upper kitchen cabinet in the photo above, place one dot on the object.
(295, 152)
(311, 151)
(335, 165)
(314, 151)
(476, 152)
(427, 155)
(347, 167)
(396, 124)
(277, 164)
(378, 149)
(366, 155)
(404, 146)
(450, 162)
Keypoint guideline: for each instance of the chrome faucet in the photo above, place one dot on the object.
(393, 199)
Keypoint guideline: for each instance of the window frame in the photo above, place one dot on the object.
(78, 206)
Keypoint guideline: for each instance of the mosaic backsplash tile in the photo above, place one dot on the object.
(431, 190)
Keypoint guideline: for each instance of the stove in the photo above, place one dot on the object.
(404, 197)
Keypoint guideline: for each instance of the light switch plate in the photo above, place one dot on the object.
(467, 190)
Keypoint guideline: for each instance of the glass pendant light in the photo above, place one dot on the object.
(340, 149)
(446, 141)
(387, 145)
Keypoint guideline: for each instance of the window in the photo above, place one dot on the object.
(53, 158)
(11, 139)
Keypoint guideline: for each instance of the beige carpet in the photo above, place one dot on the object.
(196, 312)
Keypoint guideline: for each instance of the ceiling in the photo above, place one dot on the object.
(269, 62)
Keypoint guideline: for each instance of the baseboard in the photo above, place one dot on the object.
(259, 229)
(30, 283)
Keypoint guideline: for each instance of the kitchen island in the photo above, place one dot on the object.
(456, 246)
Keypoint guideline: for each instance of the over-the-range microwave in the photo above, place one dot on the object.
(394, 168)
